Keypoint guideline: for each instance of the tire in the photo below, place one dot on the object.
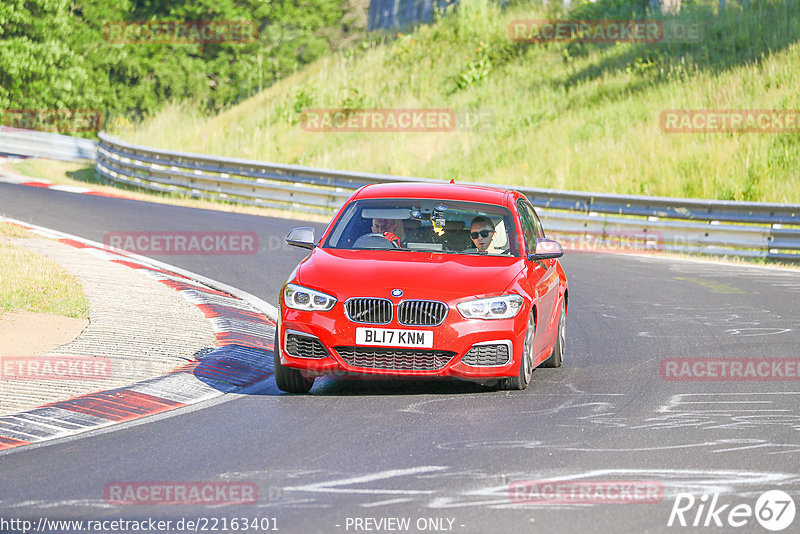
(557, 356)
(522, 380)
(288, 379)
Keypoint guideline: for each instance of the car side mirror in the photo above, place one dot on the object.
(302, 237)
(546, 249)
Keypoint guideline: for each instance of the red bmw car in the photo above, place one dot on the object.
(424, 280)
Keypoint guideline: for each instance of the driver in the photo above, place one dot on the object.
(481, 232)
(390, 229)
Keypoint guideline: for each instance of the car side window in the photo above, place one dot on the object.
(529, 228)
(539, 228)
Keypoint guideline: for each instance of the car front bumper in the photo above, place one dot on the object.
(330, 339)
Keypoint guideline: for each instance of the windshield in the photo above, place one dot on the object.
(430, 225)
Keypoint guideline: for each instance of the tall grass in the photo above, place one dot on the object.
(32, 282)
(567, 116)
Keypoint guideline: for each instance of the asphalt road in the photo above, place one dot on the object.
(443, 455)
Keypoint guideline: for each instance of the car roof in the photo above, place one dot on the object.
(444, 191)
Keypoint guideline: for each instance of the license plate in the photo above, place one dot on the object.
(393, 337)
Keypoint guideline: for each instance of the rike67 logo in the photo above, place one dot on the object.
(774, 510)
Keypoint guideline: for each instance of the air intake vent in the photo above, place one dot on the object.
(487, 355)
(369, 310)
(304, 346)
(400, 359)
(421, 312)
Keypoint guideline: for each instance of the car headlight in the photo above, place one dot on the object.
(302, 298)
(503, 307)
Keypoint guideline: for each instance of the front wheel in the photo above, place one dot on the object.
(288, 379)
(557, 356)
(522, 379)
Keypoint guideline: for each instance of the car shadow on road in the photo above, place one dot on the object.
(249, 371)
(344, 387)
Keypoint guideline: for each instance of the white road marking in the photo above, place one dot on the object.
(331, 486)
(70, 188)
(385, 503)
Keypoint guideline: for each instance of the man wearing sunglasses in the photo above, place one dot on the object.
(481, 232)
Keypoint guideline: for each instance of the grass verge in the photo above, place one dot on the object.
(565, 115)
(31, 282)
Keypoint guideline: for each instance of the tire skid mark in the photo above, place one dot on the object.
(431, 487)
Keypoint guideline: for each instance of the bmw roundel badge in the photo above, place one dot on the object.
(397, 292)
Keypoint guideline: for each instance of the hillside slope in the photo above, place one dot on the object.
(564, 115)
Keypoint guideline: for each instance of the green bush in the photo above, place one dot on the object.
(54, 54)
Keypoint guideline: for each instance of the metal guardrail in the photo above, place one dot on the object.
(35, 144)
(583, 220)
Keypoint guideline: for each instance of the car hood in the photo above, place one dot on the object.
(348, 273)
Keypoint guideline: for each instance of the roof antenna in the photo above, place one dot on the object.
(452, 180)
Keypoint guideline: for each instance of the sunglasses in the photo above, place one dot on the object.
(482, 233)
